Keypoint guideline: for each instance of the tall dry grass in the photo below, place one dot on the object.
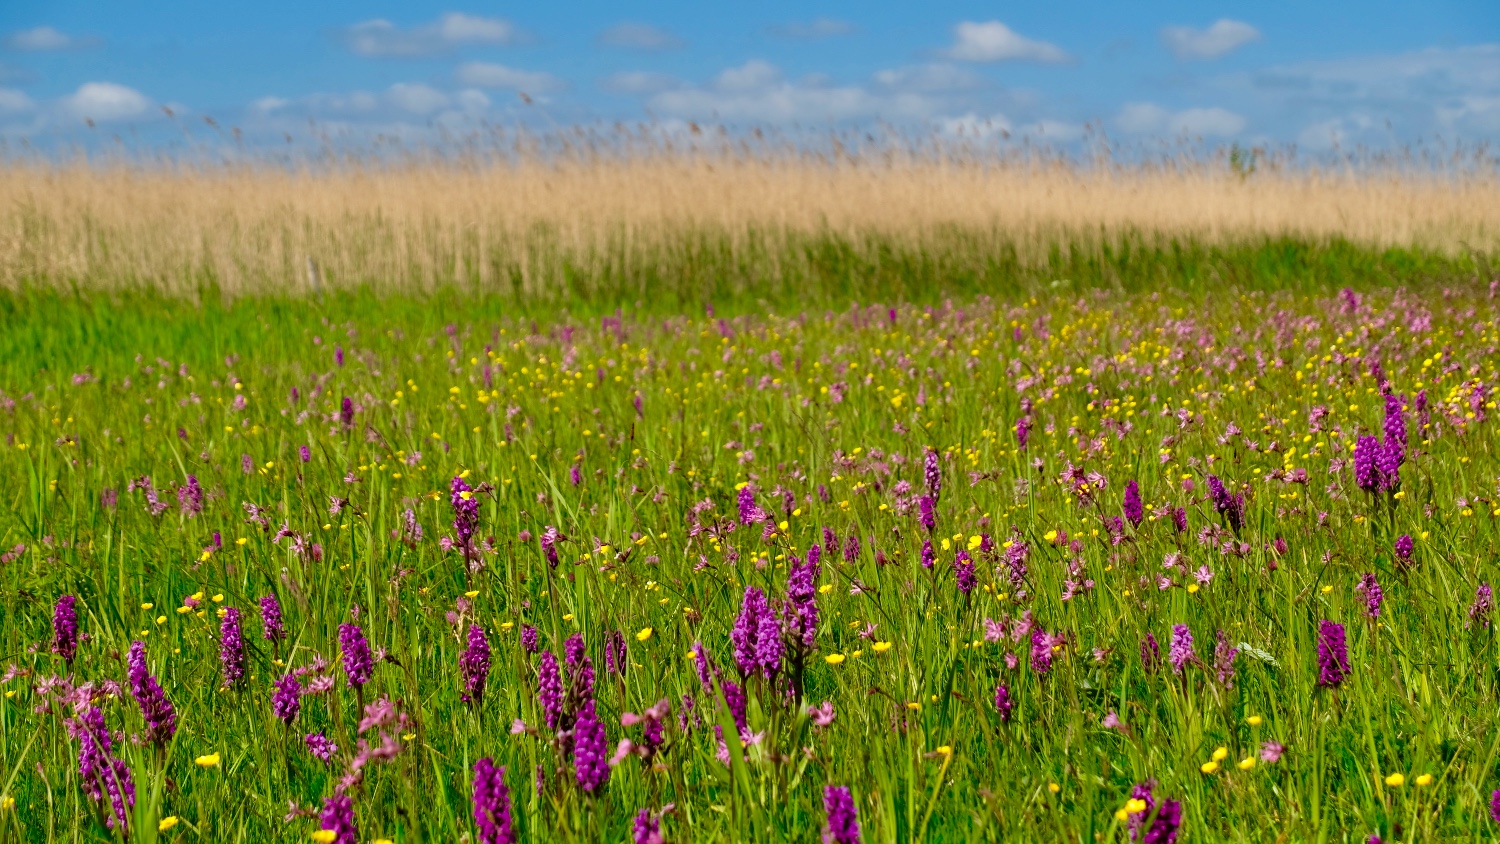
(252, 228)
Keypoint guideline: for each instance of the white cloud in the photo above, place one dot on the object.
(973, 126)
(640, 82)
(487, 75)
(817, 28)
(103, 101)
(752, 75)
(14, 102)
(757, 91)
(380, 38)
(1325, 134)
(266, 105)
(1431, 74)
(640, 36)
(1053, 131)
(473, 101)
(417, 98)
(1373, 99)
(1223, 37)
(993, 41)
(1479, 111)
(45, 38)
(928, 77)
(1152, 119)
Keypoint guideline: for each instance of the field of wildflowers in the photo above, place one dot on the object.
(1092, 567)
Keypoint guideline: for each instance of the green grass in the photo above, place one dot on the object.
(1135, 367)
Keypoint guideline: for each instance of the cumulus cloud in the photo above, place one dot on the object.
(417, 98)
(757, 91)
(1222, 38)
(640, 82)
(488, 75)
(972, 125)
(266, 105)
(1325, 134)
(1374, 99)
(14, 102)
(1059, 131)
(938, 76)
(45, 39)
(380, 38)
(471, 100)
(813, 29)
(1152, 119)
(750, 76)
(105, 101)
(639, 36)
(993, 41)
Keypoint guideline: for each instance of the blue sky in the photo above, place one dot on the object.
(1376, 72)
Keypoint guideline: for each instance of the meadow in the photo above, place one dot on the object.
(1011, 504)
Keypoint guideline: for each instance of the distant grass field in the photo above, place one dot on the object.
(1126, 527)
(676, 230)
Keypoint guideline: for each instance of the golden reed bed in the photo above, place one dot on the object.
(254, 227)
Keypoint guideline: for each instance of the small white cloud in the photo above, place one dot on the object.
(417, 98)
(1216, 122)
(640, 82)
(1152, 119)
(487, 75)
(1222, 38)
(1324, 134)
(750, 76)
(458, 28)
(818, 28)
(993, 41)
(43, 39)
(1053, 130)
(473, 101)
(757, 91)
(971, 125)
(640, 36)
(1142, 118)
(380, 38)
(266, 105)
(14, 102)
(103, 101)
(933, 77)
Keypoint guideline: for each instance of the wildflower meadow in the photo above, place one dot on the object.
(1057, 563)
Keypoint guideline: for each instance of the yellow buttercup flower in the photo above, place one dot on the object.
(473, 593)
(7, 803)
(1253, 720)
(210, 760)
(166, 823)
(644, 634)
(1220, 754)
(1396, 780)
(324, 836)
(834, 659)
(1424, 780)
(1209, 767)
(880, 647)
(1247, 763)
